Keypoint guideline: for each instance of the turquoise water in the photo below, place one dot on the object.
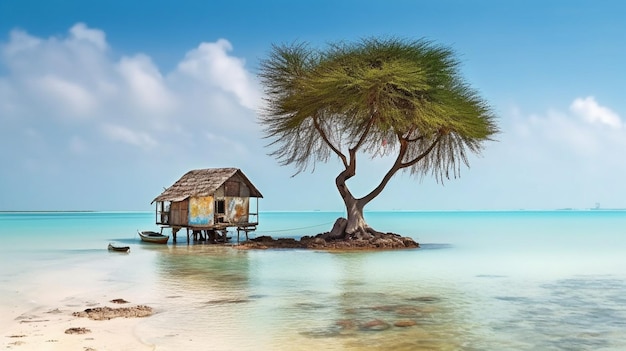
(521, 280)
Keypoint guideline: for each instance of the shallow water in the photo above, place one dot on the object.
(481, 281)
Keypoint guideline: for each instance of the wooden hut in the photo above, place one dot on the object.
(207, 202)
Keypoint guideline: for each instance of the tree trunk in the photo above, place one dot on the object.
(355, 226)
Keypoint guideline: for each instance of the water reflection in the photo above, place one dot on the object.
(305, 300)
(211, 270)
(370, 309)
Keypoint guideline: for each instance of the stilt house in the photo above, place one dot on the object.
(209, 200)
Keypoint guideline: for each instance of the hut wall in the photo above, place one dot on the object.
(201, 211)
(236, 187)
(219, 193)
(179, 212)
(237, 209)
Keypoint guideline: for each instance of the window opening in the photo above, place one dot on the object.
(221, 206)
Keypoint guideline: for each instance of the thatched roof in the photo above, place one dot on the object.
(203, 182)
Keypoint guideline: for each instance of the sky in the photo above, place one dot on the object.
(103, 104)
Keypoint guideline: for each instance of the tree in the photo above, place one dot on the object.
(349, 99)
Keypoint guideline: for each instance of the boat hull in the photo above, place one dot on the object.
(153, 237)
(118, 248)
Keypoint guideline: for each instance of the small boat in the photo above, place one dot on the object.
(118, 248)
(153, 237)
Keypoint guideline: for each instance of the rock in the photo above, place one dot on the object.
(338, 228)
(264, 238)
(345, 324)
(119, 301)
(324, 241)
(77, 331)
(375, 325)
(104, 313)
(405, 323)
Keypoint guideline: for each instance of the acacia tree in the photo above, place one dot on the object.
(349, 99)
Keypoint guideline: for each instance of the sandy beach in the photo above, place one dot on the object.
(56, 328)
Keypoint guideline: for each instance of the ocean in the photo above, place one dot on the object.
(507, 280)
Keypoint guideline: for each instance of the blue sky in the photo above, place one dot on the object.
(103, 104)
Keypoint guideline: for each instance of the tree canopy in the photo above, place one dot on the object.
(350, 98)
(407, 93)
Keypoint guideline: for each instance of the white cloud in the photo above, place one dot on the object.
(19, 41)
(551, 159)
(562, 132)
(211, 64)
(556, 130)
(94, 36)
(50, 79)
(69, 95)
(589, 109)
(145, 83)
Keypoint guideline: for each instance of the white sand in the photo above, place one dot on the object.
(36, 310)
(43, 328)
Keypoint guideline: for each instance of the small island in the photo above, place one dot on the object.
(328, 241)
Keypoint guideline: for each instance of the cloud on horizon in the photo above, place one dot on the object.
(580, 132)
(569, 155)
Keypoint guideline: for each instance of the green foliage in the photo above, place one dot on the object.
(352, 96)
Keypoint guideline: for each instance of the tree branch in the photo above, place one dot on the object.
(327, 141)
(397, 165)
(423, 154)
(408, 134)
(364, 135)
(415, 139)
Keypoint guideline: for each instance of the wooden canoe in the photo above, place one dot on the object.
(118, 248)
(153, 237)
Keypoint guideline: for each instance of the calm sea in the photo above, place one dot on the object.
(521, 280)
